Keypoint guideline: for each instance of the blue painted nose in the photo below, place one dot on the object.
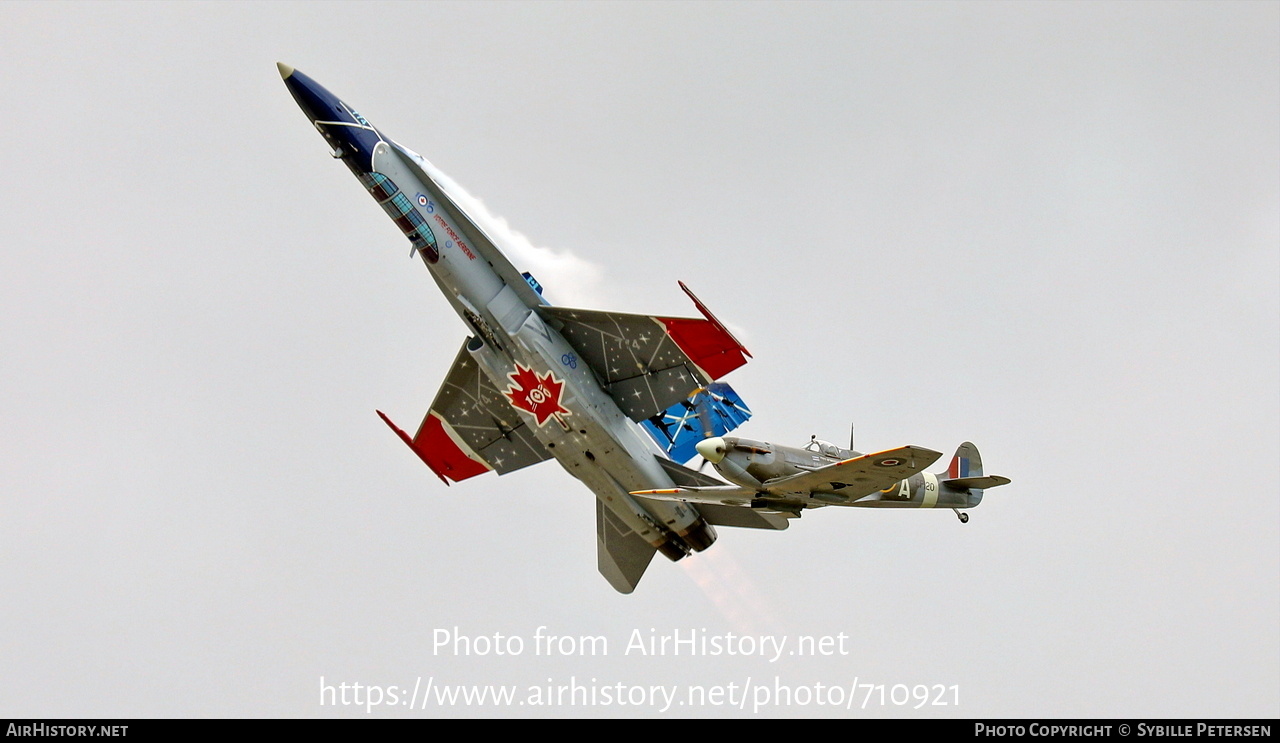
(347, 132)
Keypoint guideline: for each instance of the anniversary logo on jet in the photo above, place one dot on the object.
(536, 394)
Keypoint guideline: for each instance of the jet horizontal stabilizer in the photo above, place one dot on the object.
(685, 477)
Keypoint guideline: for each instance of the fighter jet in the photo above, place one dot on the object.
(786, 480)
(621, 401)
(611, 396)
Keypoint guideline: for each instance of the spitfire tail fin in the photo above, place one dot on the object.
(965, 473)
(966, 463)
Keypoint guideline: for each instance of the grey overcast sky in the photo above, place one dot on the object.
(1049, 228)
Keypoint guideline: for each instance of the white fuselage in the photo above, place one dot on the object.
(578, 422)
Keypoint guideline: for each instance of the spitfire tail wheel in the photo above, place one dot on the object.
(964, 517)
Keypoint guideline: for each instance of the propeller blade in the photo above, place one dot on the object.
(704, 413)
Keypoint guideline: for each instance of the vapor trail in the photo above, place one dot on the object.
(571, 279)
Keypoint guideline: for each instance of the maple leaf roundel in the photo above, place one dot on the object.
(535, 393)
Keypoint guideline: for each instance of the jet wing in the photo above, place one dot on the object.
(471, 428)
(648, 363)
(859, 476)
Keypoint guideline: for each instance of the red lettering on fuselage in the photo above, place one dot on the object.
(456, 240)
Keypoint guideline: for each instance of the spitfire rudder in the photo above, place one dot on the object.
(966, 462)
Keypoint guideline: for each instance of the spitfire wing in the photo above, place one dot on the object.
(860, 476)
(724, 505)
(471, 428)
(648, 363)
(718, 505)
(720, 495)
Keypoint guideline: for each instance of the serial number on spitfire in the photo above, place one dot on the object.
(676, 642)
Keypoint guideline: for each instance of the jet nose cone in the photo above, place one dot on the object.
(712, 449)
(312, 97)
(347, 132)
